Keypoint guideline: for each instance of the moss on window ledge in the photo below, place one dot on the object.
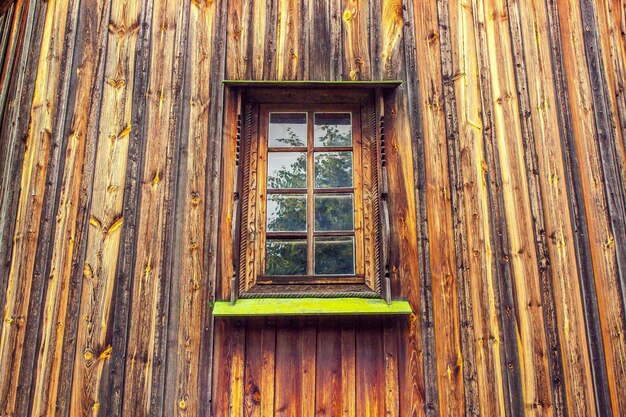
(310, 307)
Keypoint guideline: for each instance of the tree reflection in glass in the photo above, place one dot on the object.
(333, 129)
(333, 169)
(287, 130)
(286, 213)
(334, 255)
(286, 170)
(334, 212)
(285, 256)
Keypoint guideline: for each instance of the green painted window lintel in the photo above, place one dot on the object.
(313, 84)
(309, 307)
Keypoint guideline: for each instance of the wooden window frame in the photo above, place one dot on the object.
(253, 106)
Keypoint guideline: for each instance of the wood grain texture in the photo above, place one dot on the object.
(25, 277)
(601, 241)
(541, 109)
(514, 403)
(355, 26)
(19, 69)
(151, 278)
(190, 272)
(370, 375)
(459, 223)
(479, 240)
(439, 208)
(505, 153)
(105, 217)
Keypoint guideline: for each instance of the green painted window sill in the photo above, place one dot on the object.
(309, 307)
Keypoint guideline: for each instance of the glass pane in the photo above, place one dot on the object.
(287, 130)
(286, 213)
(286, 170)
(334, 255)
(333, 129)
(333, 169)
(334, 212)
(285, 257)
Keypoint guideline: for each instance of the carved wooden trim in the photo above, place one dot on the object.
(370, 198)
(384, 189)
(369, 192)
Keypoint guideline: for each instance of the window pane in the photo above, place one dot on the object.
(333, 129)
(285, 257)
(334, 212)
(334, 255)
(333, 169)
(286, 213)
(287, 129)
(286, 170)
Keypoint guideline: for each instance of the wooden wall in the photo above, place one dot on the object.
(507, 167)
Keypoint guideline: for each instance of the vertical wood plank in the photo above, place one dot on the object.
(479, 242)
(459, 223)
(25, 278)
(409, 266)
(442, 255)
(238, 44)
(228, 365)
(23, 53)
(268, 369)
(536, 211)
(148, 309)
(521, 252)
(48, 289)
(608, 138)
(356, 47)
(105, 215)
(348, 368)
(186, 328)
(320, 34)
(336, 44)
(270, 56)
(233, 127)
(600, 237)
(88, 87)
(308, 349)
(259, 368)
(390, 356)
(546, 144)
(253, 389)
(211, 213)
(258, 42)
(46, 382)
(572, 182)
(612, 24)
(292, 40)
(328, 376)
(288, 383)
(370, 370)
(514, 400)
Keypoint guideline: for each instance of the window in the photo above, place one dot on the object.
(308, 205)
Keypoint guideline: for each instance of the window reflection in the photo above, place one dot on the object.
(334, 212)
(333, 169)
(286, 213)
(333, 129)
(287, 130)
(334, 255)
(285, 257)
(286, 170)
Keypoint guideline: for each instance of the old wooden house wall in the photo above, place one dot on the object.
(507, 168)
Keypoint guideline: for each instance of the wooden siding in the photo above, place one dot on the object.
(507, 167)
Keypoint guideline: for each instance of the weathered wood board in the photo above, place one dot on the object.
(506, 161)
